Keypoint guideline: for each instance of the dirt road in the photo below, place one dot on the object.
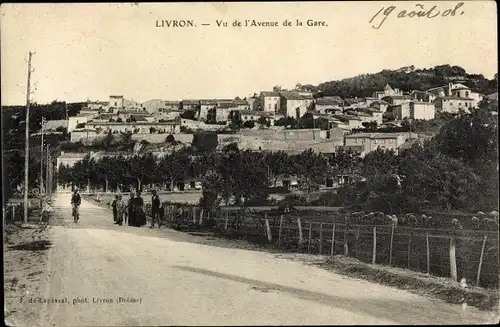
(120, 275)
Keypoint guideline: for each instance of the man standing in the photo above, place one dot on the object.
(76, 200)
(155, 209)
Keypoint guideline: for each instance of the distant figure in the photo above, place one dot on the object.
(114, 205)
(155, 209)
(130, 209)
(76, 200)
(122, 210)
(138, 210)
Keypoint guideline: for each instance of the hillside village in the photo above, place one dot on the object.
(260, 122)
(277, 120)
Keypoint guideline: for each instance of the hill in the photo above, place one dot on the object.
(406, 79)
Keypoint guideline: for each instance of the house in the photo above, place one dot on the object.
(329, 104)
(388, 91)
(373, 141)
(462, 91)
(255, 103)
(295, 105)
(97, 105)
(423, 96)
(397, 99)
(453, 104)
(349, 121)
(379, 105)
(270, 101)
(190, 105)
(205, 107)
(422, 110)
(73, 122)
(138, 127)
(153, 105)
(116, 102)
(367, 115)
(238, 103)
(457, 90)
(168, 114)
(398, 112)
(172, 105)
(248, 115)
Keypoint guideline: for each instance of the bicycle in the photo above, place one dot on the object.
(76, 213)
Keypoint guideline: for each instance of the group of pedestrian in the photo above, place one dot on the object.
(132, 210)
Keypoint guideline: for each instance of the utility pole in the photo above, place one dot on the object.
(66, 108)
(41, 159)
(27, 145)
(47, 171)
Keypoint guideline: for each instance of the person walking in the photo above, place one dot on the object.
(139, 210)
(121, 210)
(155, 209)
(114, 205)
(130, 209)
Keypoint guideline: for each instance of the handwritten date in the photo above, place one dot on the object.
(419, 12)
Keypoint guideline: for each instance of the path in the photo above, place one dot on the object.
(178, 282)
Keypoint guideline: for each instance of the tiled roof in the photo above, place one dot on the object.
(269, 94)
(295, 96)
(380, 135)
(190, 102)
(329, 101)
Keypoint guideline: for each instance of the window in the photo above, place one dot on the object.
(466, 104)
(466, 94)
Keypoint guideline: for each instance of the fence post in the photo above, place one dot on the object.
(333, 241)
(392, 239)
(226, 220)
(428, 253)
(481, 261)
(280, 231)
(346, 234)
(453, 259)
(320, 238)
(301, 239)
(268, 229)
(14, 213)
(201, 216)
(409, 248)
(310, 236)
(374, 256)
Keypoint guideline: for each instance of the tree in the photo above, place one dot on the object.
(310, 168)
(249, 124)
(170, 139)
(277, 163)
(189, 114)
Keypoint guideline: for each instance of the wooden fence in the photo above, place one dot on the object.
(472, 254)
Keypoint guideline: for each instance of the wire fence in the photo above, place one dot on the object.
(454, 253)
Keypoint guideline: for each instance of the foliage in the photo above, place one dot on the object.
(189, 114)
(419, 79)
(205, 142)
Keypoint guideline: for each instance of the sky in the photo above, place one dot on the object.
(91, 51)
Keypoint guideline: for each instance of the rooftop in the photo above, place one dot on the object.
(295, 96)
(269, 94)
(454, 98)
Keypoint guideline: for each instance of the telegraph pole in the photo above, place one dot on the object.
(66, 109)
(47, 179)
(41, 159)
(27, 145)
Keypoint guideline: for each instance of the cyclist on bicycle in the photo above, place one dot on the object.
(75, 203)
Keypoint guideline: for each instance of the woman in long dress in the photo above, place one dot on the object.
(130, 209)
